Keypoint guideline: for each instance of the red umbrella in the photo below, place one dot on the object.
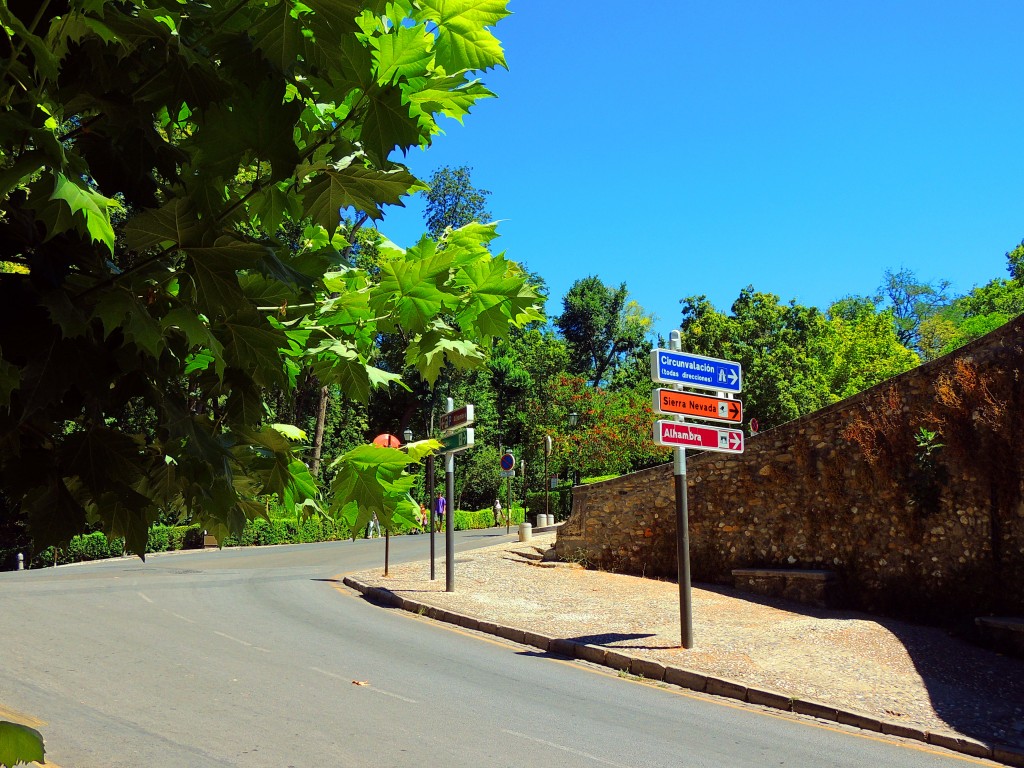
(387, 441)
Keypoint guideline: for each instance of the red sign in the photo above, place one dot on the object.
(677, 434)
(699, 406)
(460, 417)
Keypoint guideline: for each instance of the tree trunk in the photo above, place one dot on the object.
(318, 434)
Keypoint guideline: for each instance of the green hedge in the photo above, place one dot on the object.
(466, 520)
(279, 530)
(257, 533)
(96, 546)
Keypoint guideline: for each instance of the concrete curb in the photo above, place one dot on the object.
(696, 681)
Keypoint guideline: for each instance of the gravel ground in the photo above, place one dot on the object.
(887, 669)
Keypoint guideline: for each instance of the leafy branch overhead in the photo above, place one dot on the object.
(179, 184)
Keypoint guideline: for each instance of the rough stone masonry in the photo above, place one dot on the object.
(919, 527)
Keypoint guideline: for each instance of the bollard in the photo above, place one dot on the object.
(21, 562)
(525, 531)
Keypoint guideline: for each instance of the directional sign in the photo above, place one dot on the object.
(460, 417)
(677, 434)
(457, 441)
(699, 406)
(668, 367)
(508, 462)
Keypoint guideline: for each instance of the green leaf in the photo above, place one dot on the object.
(45, 61)
(463, 40)
(273, 204)
(87, 206)
(428, 353)
(355, 186)
(410, 288)
(175, 223)
(403, 53)
(19, 744)
(198, 334)
(53, 514)
(450, 96)
(278, 34)
(490, 290)
(252, 346)
(290, 431)
(64, 313)
(260, 126)
(333, 19)
(390, 123)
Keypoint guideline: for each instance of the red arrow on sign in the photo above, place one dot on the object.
(698, 406)
(676, 434)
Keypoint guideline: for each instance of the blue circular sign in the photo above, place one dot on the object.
(508, 461)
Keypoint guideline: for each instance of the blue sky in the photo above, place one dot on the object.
(698, 147)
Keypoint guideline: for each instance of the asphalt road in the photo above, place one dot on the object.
(261, 657)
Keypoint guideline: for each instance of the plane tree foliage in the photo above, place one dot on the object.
(603, 329)
(173, 178)
(796, 359)
(453, 201)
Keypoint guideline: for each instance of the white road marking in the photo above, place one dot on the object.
(243, 642)
(570, 750)
(183, 618)
(145, 598)
(368, 687)
(229, 637)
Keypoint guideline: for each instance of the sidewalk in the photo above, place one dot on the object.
(874, 673)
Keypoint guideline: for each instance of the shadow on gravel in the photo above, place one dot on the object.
(976, 691)
(608, 638)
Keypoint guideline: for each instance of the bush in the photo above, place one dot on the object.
(482, 518)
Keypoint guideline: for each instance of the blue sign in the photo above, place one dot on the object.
(507, 462)
(668, 367)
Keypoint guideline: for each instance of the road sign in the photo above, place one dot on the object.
(508, 473)
(678, 435)
(508, 462)
(668, 367)
(698, 406)
(457, 441)
(460, 417)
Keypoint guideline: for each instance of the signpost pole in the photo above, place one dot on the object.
(547, 479)
(430, 510)
(682, 531)
(508, 512)
(449, 522)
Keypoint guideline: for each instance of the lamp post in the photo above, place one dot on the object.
(574, 419)
(547, 478)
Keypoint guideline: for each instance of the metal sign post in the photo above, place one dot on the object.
(430, 510)
(682, 529)
(458, 437)
(679, 370)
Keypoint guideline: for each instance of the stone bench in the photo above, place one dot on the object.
(1005, 634)
(812, 587)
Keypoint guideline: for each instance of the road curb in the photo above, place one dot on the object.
(697, 681)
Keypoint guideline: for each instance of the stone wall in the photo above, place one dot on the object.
(932, 534)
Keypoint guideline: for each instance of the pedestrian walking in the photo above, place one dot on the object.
(497, 512)
(440, 507)
(374, 526)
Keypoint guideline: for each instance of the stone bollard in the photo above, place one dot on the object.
(525, 531)
(21, 562)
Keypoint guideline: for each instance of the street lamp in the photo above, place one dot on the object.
(574, 419)
(407, 435)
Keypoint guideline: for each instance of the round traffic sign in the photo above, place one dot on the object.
(508, 461)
